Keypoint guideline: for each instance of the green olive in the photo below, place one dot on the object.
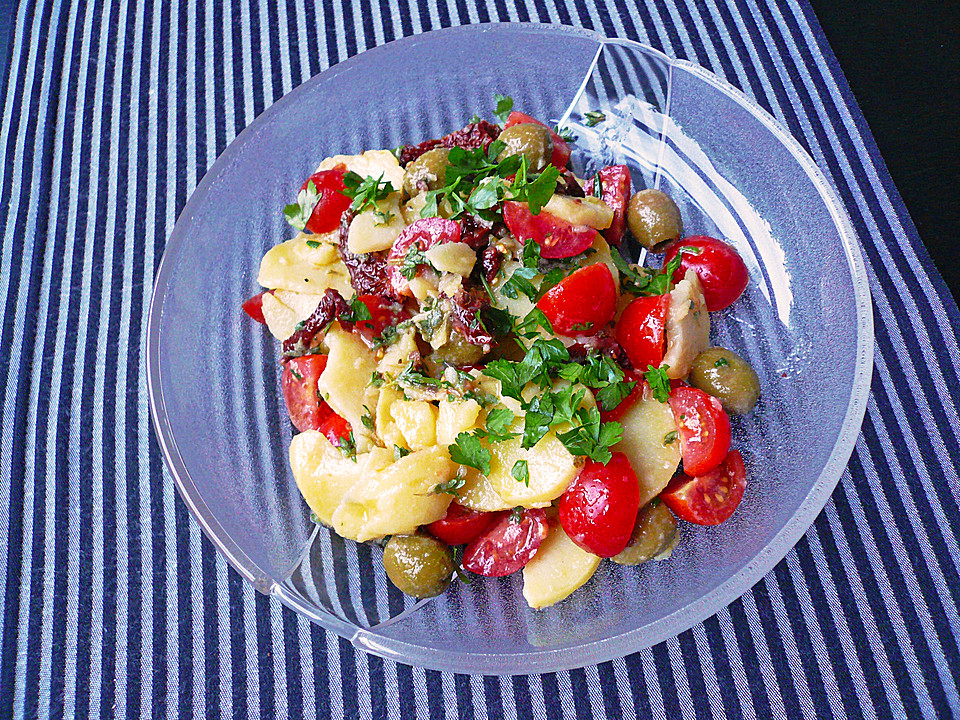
(457, 352)
(531, 140)
(654, 219)
(427, 172)
(728, 377)
(654, 534)
(419, 565)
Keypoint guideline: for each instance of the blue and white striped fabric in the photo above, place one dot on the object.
(114, 605)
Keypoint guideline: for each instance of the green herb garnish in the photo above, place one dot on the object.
(520, 472)
(658, 381)
(467, 450)
(299, 212)
(365, 192)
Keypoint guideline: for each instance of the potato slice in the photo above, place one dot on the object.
(455, 417)
(322, 473)
(294, 265)
(344, 381)
(281, 320)
(457, 257)
(417, 422)
(645, 427)
(394, 497)
(372, 163)
(550, 465)
(387, 429)
(479, 494)
(369, 232)
(559, 567)
(590, 211)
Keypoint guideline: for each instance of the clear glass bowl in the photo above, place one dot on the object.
(805, 323)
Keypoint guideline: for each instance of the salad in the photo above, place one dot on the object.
(480, 382)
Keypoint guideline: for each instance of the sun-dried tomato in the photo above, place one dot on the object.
(473, 230)
(332, 305)
(473, 136)
(465, 314)
(368, 271)
(568, 185)
(409, 153)
(491, 260)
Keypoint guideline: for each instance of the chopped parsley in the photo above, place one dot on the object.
(367, 418)
(298, 213)
(313, 244)
(348, 446)
(467, 450)
(499, 421)
(658, 381)
(376, 379)
(504, 106)
(594, 117)
(412, 261)
(520, 472)
(399, 452)
(365, 192)
(413, 378)
(565, 133)
(721, 362)
(358, 311)
(449, 487)
(670, 438)
(592, 437)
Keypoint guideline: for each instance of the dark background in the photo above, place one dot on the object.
(902, 60)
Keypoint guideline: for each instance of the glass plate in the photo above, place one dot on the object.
(805, 323)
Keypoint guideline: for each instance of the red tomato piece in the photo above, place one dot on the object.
(581, 303)
(332, 202)
(710, 498)
(721, 270)
(628, 402)
(561, 149)
(507, 544)
(383, 313)
(425, 232)
(254, 307)
(557, 238)
(336, 429)
(460, 525)
(615, 187)
(599, 508)
(306, 408)
(641, 330)
(704, 429)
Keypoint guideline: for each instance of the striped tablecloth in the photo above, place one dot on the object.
(114, 605)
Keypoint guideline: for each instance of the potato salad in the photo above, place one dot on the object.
(480, 382)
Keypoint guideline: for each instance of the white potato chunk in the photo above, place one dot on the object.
(417, 422)
(688, 326)
(645, 427)
(370, 232)
(372, 163)
(394, 497)
(550, 465)
(590, 211)
(344, 381)
(322, 473)
(559, 567)
(456, 257)
(294, 265)
(479, 494)
(281, 320)
(455, 417)
(387, 429)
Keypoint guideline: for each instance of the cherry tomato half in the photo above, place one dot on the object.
(704, 429)
(628, 402)
(254, 307)
(561, 150)
(720, 268)
(507, 545)
(581, 303)
(383, 313)
(640, 330)
(336, 429)
(710, 498)
(615, 188)
(425, 232)
(331, 204)
(306, 408)
(460, 525)
(557, 238)
(599, 508)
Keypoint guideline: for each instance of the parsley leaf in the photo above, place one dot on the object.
(299, 213)
(399, 452)
(612, 395)
(509, 375)
(449, 486)
(358, 311)
(565, 133)
(467, 450)
(721, 362)
(594, 117)
(536, 317)
(519, 282)
(413, 260)
(365, 192)
(592, 437)
(658, 381)
(538, 191)
(499, 421)
(504, 106)
(537, 420)
(669, 438)
(520, 472)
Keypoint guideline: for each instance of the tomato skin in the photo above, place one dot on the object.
(628, 402)
(253, 307)
(425, 232)
(561, 149)
(704, 429)
(641, 330)
(615, 186)
(306, 409)
(326, 213)
(506, 546)
(587, 297)
(382, 314)
(556, 238)
(460, 525)
(336, 429)
(710, 498)
(721, 270)
(600, 507)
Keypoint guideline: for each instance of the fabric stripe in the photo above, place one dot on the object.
(115, 604)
